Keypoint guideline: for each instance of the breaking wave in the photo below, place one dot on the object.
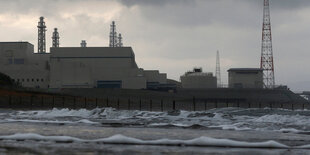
(225, 118)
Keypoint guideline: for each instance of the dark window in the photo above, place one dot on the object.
(23, 80)
(17, 80)
(38, 80)
(19, 61)
(10, 61)
(32, 80)
(109, 84)
(42, 80)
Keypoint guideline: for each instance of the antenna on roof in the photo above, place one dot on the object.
(120, 40)
(41, 36)
(113, 35)
(83, 43)
(55, 38)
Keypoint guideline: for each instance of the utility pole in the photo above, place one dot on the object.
(218, 70)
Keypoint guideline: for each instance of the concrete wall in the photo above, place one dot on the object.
(20, 63)
(245, 78)
(83, 67)
(198, 81)
(155, 76)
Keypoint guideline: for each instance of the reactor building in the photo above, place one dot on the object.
(76, 67)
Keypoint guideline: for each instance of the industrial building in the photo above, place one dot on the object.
(76, 67)
(198, 79)
(245, 78)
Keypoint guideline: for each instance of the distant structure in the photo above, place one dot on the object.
(245, 78)
(266, 52)
(120, 40)
(41, 36)
(83, 43)
(197, 79)
(218, 70)
(113, 35)
(55, 38)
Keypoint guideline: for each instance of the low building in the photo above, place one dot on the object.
(245, 78)
(198, 79)
(76, 67)
(23, 66)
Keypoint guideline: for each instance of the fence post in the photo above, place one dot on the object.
(42, 101)
(128, 104)
(173, 105)
(162, 105)
(107, 101)
(194, 103)
(118, 103)
(140, 104)
(227, 103)
(74, 100)
(20, 100)
(53, 102)
(85, 101)
(96, 102)
(10, 101)
(63, 102)
(215, 103)
(249, 104)
(205, 106)
(151, 105)
(31, 100)
(303, 106)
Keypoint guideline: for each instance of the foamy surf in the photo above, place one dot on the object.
(239, 119)
(121, 139)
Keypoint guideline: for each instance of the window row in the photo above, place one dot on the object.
(28, 80)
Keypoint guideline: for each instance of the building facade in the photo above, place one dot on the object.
(75, 67)
(198, 79)
(245, 78)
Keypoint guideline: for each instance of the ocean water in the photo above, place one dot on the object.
(109, 131)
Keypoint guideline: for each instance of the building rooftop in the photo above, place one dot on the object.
(245, 69)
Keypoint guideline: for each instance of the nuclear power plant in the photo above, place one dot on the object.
(76, 67)
(93, 71)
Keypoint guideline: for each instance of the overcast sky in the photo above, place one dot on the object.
(174, 36)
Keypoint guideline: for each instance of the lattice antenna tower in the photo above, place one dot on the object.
(120, 40)
(55, 38)
(266, 52)
(41, 36)
(113, 35)
(218, 70)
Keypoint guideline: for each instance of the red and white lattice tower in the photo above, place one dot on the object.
(267, 55)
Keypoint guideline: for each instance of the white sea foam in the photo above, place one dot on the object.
(50, 121)
(120, 139)
(223, 118)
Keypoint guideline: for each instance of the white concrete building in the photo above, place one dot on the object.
(198, 79)
(245, 78)
(76, 67)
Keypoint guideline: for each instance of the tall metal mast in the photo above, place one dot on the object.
(41, 36)
(113, 35)
(120, 40)
(218, 70)
(55, 38)
(266, 51)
